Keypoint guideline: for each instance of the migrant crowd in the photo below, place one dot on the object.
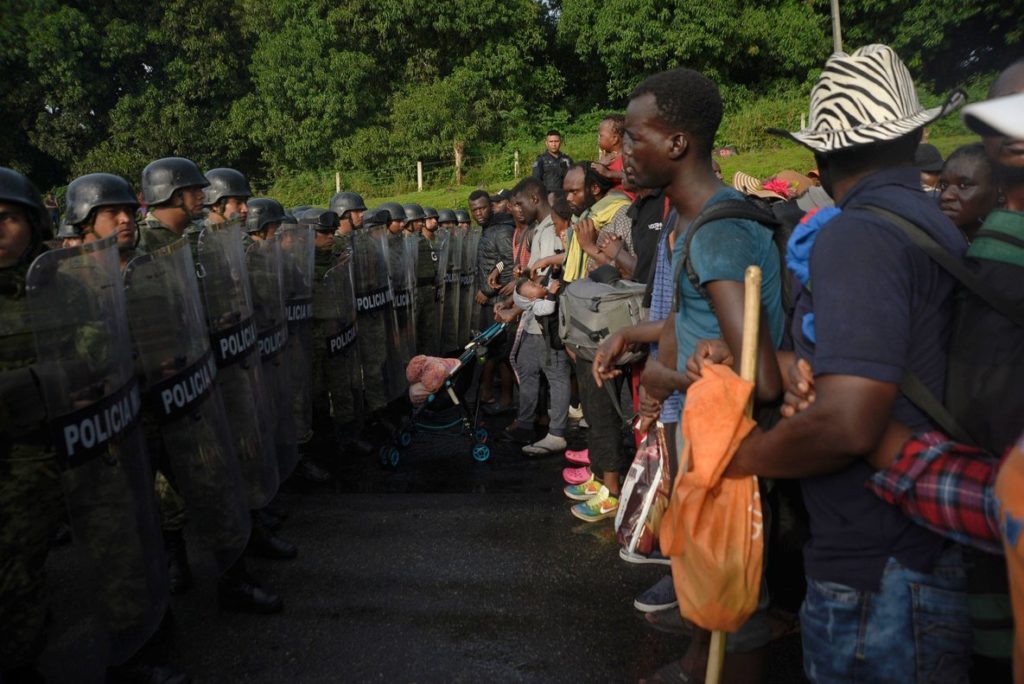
(171, 357)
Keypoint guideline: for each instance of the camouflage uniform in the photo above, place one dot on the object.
(31, 503)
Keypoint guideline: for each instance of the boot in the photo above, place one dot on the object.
(263, 543)
(238, 592)
(312, 472)
(179, 574)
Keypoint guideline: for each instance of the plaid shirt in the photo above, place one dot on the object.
(947, 487)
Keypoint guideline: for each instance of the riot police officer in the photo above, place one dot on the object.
(100, 205)
(431, 218)
(415, 218)
(226, 196)
(349, 207)
(433, 245)
(66, 367)
(172, 189)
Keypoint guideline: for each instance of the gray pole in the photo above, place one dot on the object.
(837, 33)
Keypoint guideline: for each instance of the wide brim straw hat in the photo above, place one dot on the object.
(749, 185)
(864, 98)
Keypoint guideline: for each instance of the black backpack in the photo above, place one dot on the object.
(984, 403)
(780, 217)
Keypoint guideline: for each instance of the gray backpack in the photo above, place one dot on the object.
(589, 311)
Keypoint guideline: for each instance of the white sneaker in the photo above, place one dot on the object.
(549, 445)
(575, 412)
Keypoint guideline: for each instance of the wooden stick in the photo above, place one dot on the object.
(748, 371)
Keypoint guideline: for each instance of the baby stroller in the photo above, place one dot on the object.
(433, 417)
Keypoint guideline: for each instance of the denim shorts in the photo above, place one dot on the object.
(916, 628)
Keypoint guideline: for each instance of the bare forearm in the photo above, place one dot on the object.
(660, 381)
(845, 423)
(643, 333)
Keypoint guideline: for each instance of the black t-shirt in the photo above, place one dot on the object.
(648, 216)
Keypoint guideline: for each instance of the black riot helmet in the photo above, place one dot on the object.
(262, 212)
(17, 189)
(462, 215)
(225, 183)
(347, 201)
(162, 177)
(446, 216)
(378, 216)
(94, 190)
(394, 211)
(430, 212)
(413, 212)
(322, 220)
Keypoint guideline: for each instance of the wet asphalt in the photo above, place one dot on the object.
(441, 569)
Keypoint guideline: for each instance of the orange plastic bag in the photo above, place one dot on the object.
(712, 530)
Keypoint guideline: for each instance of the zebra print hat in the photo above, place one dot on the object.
(864, 98)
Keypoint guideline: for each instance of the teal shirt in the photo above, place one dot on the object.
(722, 250)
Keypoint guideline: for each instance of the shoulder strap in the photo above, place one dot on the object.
(1002, 237)
(923, 398)
(951, 264)
(727, 209)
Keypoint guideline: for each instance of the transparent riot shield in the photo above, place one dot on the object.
(379, 348)
(297, 276)
(336, 313)
(411, 242)
(403, 296)
(227, 298)
(449, 325)
(432, 256)
(264, 262)
(186, 426)
(93, 404)
(469, 310)
(443, 250)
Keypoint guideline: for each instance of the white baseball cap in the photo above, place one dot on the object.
(1004, 115)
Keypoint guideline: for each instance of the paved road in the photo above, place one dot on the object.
(442, 570)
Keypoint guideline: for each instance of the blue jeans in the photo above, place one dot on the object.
(914, 629)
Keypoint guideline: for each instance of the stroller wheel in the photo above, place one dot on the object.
(389, 456)
(481, 435)
(405, 438)
(481, 452)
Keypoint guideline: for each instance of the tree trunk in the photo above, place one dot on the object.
(458, 147)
